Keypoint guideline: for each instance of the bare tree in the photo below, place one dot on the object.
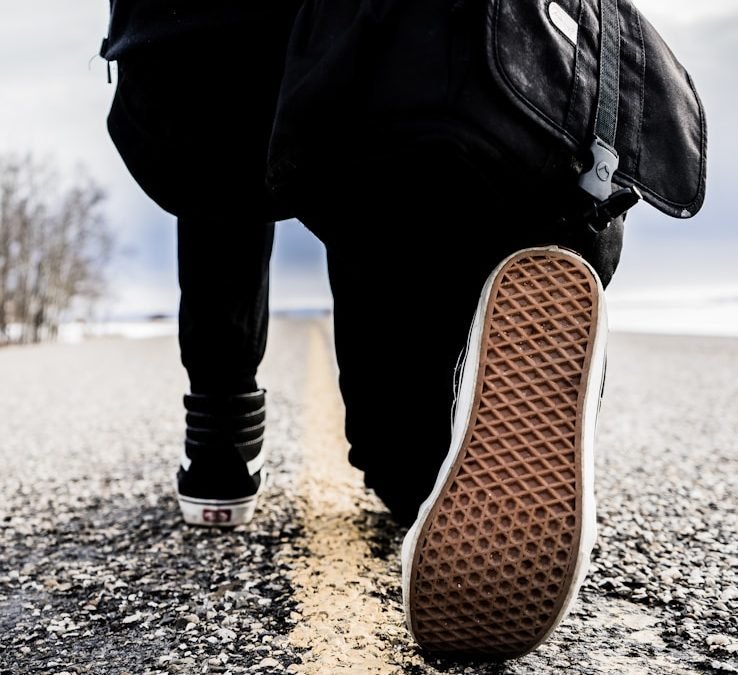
(54, 245)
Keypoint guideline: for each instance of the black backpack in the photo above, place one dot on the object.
(583, 94)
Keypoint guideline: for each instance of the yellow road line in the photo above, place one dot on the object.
(340, 618)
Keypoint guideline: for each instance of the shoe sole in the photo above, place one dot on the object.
(219, 512)
(499, 550)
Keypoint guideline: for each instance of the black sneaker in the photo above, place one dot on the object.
(499, 550)
(221, 472)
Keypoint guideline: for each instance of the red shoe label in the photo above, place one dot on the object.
(216, 515)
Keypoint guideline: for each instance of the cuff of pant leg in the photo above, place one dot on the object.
(215, 387)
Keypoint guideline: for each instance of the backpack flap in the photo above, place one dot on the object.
(545, 57)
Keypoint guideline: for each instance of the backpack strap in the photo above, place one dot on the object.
(608, 99)
(597, 181)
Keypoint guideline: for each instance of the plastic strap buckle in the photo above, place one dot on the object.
(597, 182)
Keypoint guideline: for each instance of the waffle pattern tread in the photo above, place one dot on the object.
(496, 555)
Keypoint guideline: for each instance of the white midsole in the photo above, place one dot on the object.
(242, 510)
(216, 503)
(464, 410)
(217, 513)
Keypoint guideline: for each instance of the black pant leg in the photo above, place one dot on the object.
(399, 327)
(192, 118)
(224, 302)
(409, 249)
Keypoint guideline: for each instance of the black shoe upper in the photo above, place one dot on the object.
(223, 438)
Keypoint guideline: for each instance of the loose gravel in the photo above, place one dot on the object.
(98, 574)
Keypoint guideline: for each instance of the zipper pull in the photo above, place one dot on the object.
(103, 52)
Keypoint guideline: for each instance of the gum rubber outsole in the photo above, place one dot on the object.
(501, 546)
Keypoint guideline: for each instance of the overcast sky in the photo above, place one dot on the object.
(54, 99)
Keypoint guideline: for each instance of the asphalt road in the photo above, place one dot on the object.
(98, 574)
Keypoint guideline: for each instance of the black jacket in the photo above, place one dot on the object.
(142, 24)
